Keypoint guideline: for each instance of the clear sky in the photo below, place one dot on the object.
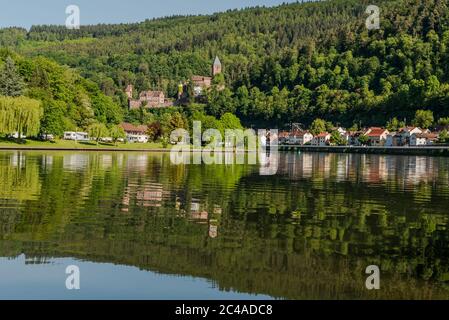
(25, 13)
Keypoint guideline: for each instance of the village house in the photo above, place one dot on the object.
(135, 134)
(393, 139)
(147, 99)
(283, 137)
(295, 137)
(423, 139)
(403, 136)
(300, 137)
(376, 136)
(352, 137)
(321, 139)
(405, 133)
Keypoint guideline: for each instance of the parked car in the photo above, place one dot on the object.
(47, 137)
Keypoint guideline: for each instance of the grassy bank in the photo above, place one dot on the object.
(70, 145)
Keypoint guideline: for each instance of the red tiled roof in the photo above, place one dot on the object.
(129, 127)
(298, 133)
(427, 135)
(375, 132)
(322, 135)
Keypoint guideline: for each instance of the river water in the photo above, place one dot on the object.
(139, 227)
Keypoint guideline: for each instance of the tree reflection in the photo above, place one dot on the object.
(307, 232)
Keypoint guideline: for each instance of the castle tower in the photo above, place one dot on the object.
(129, 91)
(216, 68)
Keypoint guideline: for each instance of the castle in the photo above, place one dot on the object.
(200, 83)
(147, 99)
(156, 99)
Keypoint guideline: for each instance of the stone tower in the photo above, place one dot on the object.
(129, 91)
(216, 68)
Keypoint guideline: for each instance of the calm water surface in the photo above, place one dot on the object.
(139, 227)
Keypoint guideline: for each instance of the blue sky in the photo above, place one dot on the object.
(25, 13)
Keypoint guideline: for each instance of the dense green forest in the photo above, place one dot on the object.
(66, 100)
(291, 63)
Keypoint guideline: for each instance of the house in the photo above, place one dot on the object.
(352, 137)
(376, 136)
(321, 139)
(77, 136)
(147, 99)
(283, 137)
(404, 134)
(300, 137)
(393, 139)
(135, 134)
(423, 139)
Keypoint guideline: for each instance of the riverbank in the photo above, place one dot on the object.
(425, 150)
(59, 145)
(67, 145)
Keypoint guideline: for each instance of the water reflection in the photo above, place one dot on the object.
(307, 232)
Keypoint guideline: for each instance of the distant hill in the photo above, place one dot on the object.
(291, 63)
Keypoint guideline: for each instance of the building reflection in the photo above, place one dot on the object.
(375, 169)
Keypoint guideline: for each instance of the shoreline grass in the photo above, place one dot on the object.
(74, 145)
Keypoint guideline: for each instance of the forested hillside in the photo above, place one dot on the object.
(291, 63)
(66, 100)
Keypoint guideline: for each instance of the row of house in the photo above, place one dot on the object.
(302, 137)
(374, 136)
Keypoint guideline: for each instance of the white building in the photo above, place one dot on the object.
(423, 139)
(78, 136)
(321, 140)
(136, 138)
(377, 136)
(392, 139)
(299, 138)
(405, 134)
(135, 134)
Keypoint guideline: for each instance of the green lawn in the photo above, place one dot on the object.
(67, 144)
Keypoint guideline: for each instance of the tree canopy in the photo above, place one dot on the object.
(290, 63)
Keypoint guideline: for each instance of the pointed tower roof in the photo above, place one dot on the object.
(217, 61)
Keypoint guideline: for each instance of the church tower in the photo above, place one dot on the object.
(216, 68)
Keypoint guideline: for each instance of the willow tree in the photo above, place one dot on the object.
(98, 131)
(116, 133)
(21, 115)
